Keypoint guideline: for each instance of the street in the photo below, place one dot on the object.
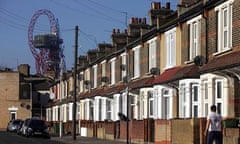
(13, 138)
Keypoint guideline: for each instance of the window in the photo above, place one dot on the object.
(219, 94)
(189, 98)
(171, 48)
(152, 53)
(87, 78)
(108, 109)
(13, 115)
(183, 103)
(81, 84)
(151, 105)
(94, 76)
(224, 22)
(136, 67)
(195, 100)
(166, 104)
(112, 61)
(103, 69)
(120, 104)
(133, 109)
(103, 65)
(124, 62)
(100, 110)
(78, 111)
(91, 109)
(205, 95)
(195, 35)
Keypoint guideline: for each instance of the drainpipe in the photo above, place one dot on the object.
(206, 38)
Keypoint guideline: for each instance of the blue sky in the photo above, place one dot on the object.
(95, 18)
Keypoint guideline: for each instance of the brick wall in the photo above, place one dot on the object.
(162, 132)
(110, 130)
(137, 130)
(185, 131)
(9, 98)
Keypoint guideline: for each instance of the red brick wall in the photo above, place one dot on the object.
(137, 131)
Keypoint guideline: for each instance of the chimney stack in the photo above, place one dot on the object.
(160, 15)
(24, 69)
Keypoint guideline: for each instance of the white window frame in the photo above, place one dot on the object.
(152, 53)
(195, 36)
(212, 80)
(95, 76)
(183, 101)
(142, 102)
(205, 97)
(124, 62)
(109, 109)
(87, 77)
(81, 84)
(167, 103)
(113, 67)
(133, 108)
(150, 104)
(219, 101)
(195, 103)
(136, 52)
(170, 48)
(103, 67)
(116, 106)
(98, 108)
(78, 111)
(70, 111)
(224, 41)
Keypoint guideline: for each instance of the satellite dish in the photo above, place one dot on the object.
(52, 95)
(199, 60)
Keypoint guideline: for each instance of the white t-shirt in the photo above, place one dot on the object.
(215, 122)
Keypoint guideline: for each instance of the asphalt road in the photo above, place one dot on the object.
(13, 138)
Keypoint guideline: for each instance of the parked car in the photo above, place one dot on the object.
(35, 127)
(13, 125)
(21, 130)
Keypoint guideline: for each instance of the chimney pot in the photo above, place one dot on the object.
(144, 21)
(132, 20)
(118, 31)
(136, 20)
(168, 5)
(140, 20)
(158, 5)
(114, 31)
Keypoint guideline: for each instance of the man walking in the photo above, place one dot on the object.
(213, 129)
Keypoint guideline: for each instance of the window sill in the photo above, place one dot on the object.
(222, 52)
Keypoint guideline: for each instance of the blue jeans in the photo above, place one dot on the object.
(215, 136)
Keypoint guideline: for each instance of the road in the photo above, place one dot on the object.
(13, 138)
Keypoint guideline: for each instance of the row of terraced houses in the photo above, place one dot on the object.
(162, 76)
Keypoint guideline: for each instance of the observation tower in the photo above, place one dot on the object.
(47, 48)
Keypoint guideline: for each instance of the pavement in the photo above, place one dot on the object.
(68, 139)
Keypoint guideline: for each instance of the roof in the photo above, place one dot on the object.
(222, 62)
(139, 83)
(177, 73)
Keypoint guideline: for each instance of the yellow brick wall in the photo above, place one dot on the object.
(9, 98)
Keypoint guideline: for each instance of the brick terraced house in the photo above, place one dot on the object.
(162, 76)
